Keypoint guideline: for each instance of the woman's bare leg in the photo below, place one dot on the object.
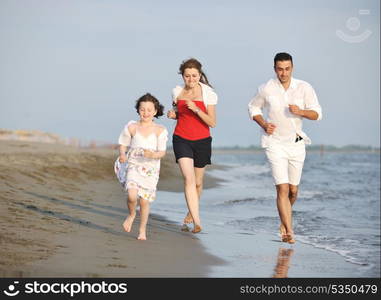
(190, 190)
(199, 173)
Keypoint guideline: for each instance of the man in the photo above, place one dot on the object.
(288, 101)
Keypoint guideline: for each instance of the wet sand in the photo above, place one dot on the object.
(61, 211)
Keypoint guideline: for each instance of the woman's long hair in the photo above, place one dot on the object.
(194, 63)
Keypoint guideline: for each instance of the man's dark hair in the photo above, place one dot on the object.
(282, 56)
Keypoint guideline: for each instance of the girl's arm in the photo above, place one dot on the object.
(122, 153)
(154, 154)
(161, 146)
(124, 142)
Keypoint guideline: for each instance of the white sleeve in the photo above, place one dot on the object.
(212, 97)
(174, 95)
(311, 101)
(162, 140)
(125, 136)
(257, 103)
(175, 92)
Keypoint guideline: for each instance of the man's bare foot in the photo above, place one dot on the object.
(127, 224)
(188, 219)
(142, 236)
(288, 238)
(196, 229)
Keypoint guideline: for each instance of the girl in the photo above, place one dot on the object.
(142, 145)
(195, 113)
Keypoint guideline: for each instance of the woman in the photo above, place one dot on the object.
(194, 109)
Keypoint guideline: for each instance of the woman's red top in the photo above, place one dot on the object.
(189, 125)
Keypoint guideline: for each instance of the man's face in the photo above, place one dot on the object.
(283, 70)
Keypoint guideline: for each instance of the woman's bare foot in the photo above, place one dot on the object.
(127, 224)
(185, 228)
(196, 229)
(282, 230)
(291, 239)
(188, 219)
(142, 236)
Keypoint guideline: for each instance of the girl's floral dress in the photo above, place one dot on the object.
(141, 173)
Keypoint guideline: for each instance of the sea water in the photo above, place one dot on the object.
(338, 206)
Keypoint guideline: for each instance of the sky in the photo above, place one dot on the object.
(76, 67)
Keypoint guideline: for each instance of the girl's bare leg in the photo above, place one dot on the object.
(132, 198)
(144, 214)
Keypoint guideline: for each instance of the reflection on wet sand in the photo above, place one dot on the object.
(283, 263)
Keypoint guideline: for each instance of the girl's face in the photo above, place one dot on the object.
(191, 77)
(147, 111)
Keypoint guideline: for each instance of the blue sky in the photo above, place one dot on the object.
(75, 68)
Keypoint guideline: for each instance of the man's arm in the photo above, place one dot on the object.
(305, 113)
(312, 109)
(255, 111)
(267, 127)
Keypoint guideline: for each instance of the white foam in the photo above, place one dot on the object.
(333, 248)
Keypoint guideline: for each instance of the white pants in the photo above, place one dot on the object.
(286, 161)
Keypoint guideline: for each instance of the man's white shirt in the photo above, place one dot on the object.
(275, 99)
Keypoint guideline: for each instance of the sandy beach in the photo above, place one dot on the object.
(61, 212)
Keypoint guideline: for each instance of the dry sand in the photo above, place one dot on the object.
(61, 211)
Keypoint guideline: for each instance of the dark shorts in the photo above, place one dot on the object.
(199, 150)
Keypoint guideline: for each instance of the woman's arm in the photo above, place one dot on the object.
(209, 117)
(171, 114)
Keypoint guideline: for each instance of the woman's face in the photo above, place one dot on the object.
(191, 77)
(147, 111)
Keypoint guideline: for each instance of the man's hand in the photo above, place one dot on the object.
(269, 128)
(294, 109)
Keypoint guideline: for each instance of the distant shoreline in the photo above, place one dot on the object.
(51, 138)
(310, 149)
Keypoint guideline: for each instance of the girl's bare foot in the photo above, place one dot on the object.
(188, 219)
(142, 236)
(127, 224)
